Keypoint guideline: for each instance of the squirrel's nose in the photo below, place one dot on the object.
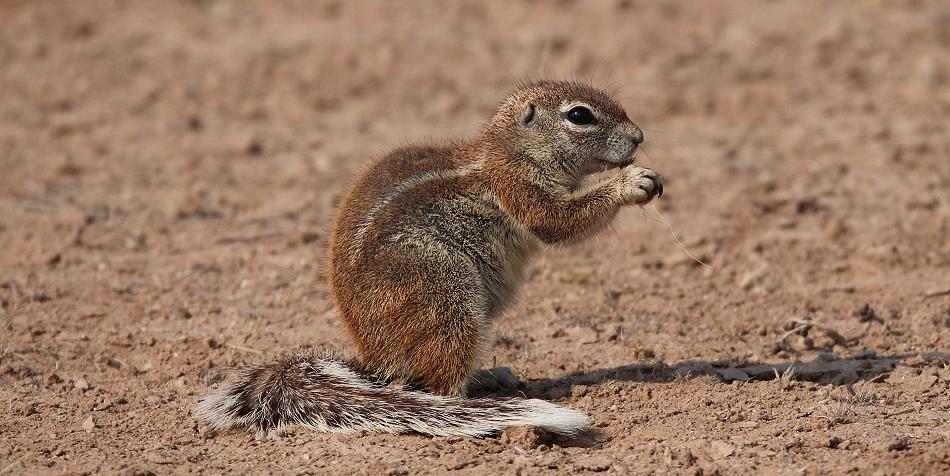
(637, 135)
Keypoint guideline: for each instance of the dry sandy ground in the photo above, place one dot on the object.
(170, 169)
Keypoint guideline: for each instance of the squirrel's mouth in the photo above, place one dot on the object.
(628, 161)
(623, 161)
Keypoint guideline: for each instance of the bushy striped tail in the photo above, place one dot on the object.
(325, 394)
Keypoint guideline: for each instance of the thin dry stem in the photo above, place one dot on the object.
(680, 243)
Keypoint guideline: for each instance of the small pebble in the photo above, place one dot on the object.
(153, 400)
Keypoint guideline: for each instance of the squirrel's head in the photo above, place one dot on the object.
(574, 127)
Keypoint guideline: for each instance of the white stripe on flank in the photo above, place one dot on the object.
(409, 184)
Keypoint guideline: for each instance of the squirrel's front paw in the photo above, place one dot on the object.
(639, 185)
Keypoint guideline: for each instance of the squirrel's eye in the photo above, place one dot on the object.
(581, 116)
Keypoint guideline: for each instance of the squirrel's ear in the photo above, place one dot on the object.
(528, 114)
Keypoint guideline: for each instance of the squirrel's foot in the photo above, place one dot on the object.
(638, 186)
(495, 381)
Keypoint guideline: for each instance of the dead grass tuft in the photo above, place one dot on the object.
(847, 394)
(786, 379)
(837, 412)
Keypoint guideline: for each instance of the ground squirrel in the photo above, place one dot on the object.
(429, 245)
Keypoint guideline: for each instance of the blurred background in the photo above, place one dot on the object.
(170, 171)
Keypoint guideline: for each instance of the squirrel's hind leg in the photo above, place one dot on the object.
(436, 321)
(444, 347)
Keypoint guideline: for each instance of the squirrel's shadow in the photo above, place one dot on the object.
(825, 368)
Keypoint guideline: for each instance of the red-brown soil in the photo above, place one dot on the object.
(170, 171)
